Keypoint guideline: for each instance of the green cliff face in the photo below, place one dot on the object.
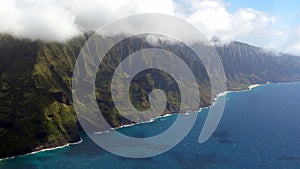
(245, 64)
(36, 108)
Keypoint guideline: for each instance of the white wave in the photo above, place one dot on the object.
(35, 152)
(129, 125)
(102, 132)
(166, 115)
(43, 150)
(48, 149)
(7, 158)
(253, 86)
(123, 126)
(78, 142)
(223, 94)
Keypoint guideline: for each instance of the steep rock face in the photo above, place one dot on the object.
(245, 64)
(33, 115)
(36, 108)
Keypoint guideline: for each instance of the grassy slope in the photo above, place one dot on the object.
(31, 118)
(35, 78)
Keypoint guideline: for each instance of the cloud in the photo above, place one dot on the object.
(37, 20)
(295, 48)
(294, 44)
(213, 19)
(60, 20)
(91, 14)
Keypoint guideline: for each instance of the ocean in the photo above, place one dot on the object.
(260, 128)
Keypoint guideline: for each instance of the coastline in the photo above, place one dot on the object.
(42, 150)
(129, 125)
(250, 87)
(254, 86)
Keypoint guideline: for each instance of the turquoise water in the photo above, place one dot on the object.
(259, 129)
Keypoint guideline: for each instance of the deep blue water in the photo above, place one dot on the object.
(259, 129)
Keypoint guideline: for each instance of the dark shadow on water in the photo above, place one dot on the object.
(138, 135)
(134, 159)
(226, 141)
(288, 158)
(198, 161)
(223, 137)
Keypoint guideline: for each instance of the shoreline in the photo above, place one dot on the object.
(250, 87)
(43, 150)
(129, 125)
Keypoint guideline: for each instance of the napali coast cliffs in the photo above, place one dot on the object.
(36, 103)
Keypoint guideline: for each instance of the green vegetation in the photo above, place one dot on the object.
(36, 108)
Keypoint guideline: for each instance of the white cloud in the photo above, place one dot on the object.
(58, 20)
(213, 19)
(295, 48)
(294, 43)
(37, 20)
(91, 14)
(210, 17)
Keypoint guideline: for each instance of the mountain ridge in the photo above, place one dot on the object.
(36, 110)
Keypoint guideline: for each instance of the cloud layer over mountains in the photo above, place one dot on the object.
(59, 20)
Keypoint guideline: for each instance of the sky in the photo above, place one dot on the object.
(271, 24)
